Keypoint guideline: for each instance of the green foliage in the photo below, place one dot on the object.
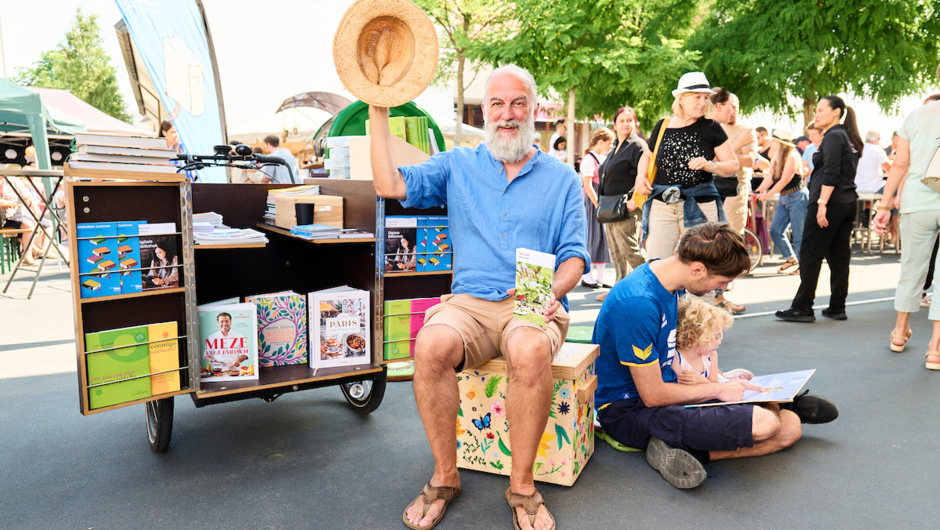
(612, 52)
(767, 50)
(79, 64)
(491, 385)
(562, 435)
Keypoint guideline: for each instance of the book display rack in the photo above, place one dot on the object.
(168, 308)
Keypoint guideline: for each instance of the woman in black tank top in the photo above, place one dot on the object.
(786, 170)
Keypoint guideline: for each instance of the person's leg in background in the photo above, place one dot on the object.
(665, 224)
(814, 248)
(797, 208)
(778, 229)
(918, 229)
(841, 216)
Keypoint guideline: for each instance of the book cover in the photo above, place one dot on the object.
(129, 255)
(97, 252)
(418, 308)
(228, 342)
(160, 259)
(339, 328)
(164, 356)
(396, 343)
(116, 355)
(414, 134)
(401, 233)
(778, 388)
(534, 274)
(282, 328)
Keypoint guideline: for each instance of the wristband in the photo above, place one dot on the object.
(885, 207)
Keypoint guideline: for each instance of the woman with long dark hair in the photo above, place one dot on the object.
(786, 178)
(832, 208)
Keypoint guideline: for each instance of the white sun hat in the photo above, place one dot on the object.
(692, 82)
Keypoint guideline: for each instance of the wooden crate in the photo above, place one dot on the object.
(568, 441)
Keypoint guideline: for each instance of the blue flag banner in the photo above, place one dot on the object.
(171, 39)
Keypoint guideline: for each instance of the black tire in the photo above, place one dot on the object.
(365, 396)
(159, 423)
(755, 249)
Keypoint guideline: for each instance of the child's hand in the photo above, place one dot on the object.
(746, 385)
(692, 378)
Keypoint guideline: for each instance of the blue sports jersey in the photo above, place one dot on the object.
(636, 327)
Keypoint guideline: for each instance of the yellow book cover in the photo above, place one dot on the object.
(164, 355)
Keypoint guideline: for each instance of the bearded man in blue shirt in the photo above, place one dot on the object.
(502, 195)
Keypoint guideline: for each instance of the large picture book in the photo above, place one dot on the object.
(282, 328)
(228, 342)
(339, 327)
(777, 388)
(160, 256)
(97, 259)
(534, 274)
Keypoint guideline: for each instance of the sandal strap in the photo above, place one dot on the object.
(529, 503)
(433, 493)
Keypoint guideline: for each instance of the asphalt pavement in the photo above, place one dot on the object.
(308, 461)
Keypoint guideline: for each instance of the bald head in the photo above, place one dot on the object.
(514, 71)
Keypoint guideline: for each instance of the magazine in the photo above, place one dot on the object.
(339, 327)
(778, 388)
(97, 257)
(228, 342)
(534, 274)
(160, 260)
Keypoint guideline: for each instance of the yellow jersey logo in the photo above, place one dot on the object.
(643, 354)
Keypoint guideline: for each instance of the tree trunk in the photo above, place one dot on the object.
(809, 109)
(458, 122)
(571, 127)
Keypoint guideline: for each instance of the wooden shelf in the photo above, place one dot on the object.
(426, 273)
(284, 232)
(152, 292)
(239, 245)
(279, 376)
(123, 175)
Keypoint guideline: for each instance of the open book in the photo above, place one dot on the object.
(778, 388)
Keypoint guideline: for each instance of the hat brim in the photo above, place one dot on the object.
(346, 42)
(784, 142)
(679, 91)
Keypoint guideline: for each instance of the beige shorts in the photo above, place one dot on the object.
(484, 325)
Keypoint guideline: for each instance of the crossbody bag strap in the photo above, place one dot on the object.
(659, 139)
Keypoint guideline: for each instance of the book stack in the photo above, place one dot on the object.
(270, 213)
(103, 152)
(403, 320)
(316, 231)
(337, 161)
(417, 244)
(229, 236)
(132, 363)
(207, 222)
(339, 327)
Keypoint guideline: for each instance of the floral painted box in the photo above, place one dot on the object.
(568, 441)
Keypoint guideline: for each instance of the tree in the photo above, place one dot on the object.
(463, 23)
(601, 53)
(767, 51)
(81, 66)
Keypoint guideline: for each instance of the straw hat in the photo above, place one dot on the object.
(385, 51)
(692, 82)
(783, 136)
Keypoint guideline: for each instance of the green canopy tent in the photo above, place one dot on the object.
(22, 110)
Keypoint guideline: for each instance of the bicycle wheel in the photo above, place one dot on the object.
(755, 250)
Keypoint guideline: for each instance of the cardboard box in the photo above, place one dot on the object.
(328, 210)
(360, 156)
(568, 441)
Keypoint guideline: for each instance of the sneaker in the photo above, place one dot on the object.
(796, 315)
(812, 408)
(835, 315)
(678, 467)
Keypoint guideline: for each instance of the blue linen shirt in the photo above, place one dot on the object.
(541, 209)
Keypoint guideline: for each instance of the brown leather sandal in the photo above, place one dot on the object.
(431, 494)
(529, 503)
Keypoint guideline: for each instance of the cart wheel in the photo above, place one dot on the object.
(159, 423)
(365, 396)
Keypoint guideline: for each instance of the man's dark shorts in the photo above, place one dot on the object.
(697, 430)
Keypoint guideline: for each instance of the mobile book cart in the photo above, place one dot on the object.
(211, 273)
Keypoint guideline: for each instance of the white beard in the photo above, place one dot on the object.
(514, 150)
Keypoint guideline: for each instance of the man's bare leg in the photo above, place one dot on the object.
(773, 429)
(439, 349)
(528, 399)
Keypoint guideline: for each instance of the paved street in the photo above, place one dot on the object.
(307, 461)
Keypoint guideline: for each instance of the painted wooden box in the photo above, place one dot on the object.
(568, 441)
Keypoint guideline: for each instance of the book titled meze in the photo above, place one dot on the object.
(228, 337)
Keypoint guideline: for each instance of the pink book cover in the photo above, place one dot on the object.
(418, 307)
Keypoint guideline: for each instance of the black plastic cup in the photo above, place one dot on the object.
(304, 212)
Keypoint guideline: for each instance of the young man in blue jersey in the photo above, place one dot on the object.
(639, 401)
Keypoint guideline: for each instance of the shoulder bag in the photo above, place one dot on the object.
(638, 197)
(932, 175)
(611, 208)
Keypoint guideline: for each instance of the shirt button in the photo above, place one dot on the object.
(504, 214)
(507, 191)
(504, 235)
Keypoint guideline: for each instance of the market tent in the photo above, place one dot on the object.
(22, 110)
(63, 102)
(325, 101)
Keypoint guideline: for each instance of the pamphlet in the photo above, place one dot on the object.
(778, 388)
(534, 274)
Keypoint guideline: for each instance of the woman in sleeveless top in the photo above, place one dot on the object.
(786, 172)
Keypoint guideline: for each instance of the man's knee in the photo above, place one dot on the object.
(528, 350)
(438, 345)
(790, 429)
(765, 425)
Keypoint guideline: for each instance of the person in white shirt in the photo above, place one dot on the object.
(560, 130)
(278, 174)
(873, 166)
